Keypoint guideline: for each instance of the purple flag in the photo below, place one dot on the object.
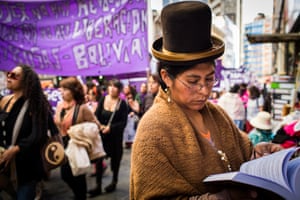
(75, 37)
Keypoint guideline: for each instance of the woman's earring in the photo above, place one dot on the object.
(169, 95)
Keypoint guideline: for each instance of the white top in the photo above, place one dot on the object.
(253, 107)
(233, 105)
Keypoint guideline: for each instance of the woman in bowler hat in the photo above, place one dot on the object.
(183, 138)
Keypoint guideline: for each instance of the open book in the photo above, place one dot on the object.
(277, 174)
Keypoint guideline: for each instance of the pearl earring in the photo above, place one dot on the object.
(167, 90)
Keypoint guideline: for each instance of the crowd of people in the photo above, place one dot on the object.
(242, 103)
(179, 129)
(251, 110)
(109, 106)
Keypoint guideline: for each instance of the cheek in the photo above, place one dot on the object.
(181, 96)
(154, 87)
(67, 94)
(114, 90)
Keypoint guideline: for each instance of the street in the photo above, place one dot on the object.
(55, 188)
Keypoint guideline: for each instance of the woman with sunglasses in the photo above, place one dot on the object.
(21, 159)
(183, 138)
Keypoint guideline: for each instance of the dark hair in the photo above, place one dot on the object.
(155, 77)
(117, 83)
(254, 92)
(132, 91)
(234, 89)
(76, 88)
(217, 93)
(243, 88)
(267, 106)
(174, 70)
(39, 106)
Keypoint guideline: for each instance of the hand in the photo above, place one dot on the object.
(8, 155)
(105, 129)
(131, 114)
(265, 148)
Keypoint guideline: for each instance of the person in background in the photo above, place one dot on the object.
(102, 90)
(262, 131)
(154, 84)
(293, 116)
(92, 103)
(244, 93)
(234, 106)
(267, 105)
(91, 98)
(125, 91)
(21, 160)
(73, 94)
(143, 92)
(183, 138)
(254, 105)
(132, 102)
(215, 95)
(133, 117)
(111, 106)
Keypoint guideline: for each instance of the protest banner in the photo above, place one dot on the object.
(75, 37)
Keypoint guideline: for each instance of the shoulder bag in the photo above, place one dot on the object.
(53, 153)
(114, 112)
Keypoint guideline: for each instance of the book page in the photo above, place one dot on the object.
(293, 174)
(243, 180)
(272, 167)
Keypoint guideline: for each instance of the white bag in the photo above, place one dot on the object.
(78, 158)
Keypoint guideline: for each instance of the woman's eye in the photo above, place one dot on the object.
(193, 82)
(209, 80)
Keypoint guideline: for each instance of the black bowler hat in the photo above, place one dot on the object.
(187, 38)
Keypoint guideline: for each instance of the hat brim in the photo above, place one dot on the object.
(162, 54)
(256, 123)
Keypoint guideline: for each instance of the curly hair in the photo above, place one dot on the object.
(76, 88)
(39, 106)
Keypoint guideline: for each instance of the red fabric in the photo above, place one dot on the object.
(288, 143)
(289, 128)
(248, 127)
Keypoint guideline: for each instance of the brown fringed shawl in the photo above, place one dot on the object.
(169, 160)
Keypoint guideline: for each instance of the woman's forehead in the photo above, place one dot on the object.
(17, 69)
(198, 73)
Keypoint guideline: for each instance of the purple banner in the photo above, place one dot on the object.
(75, 37)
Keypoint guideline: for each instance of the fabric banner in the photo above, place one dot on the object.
(75, 37)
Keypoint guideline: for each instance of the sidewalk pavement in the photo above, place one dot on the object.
(55, 188)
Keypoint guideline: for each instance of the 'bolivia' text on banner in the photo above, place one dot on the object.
(75, 37)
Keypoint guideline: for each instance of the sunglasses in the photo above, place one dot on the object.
(13, 75)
